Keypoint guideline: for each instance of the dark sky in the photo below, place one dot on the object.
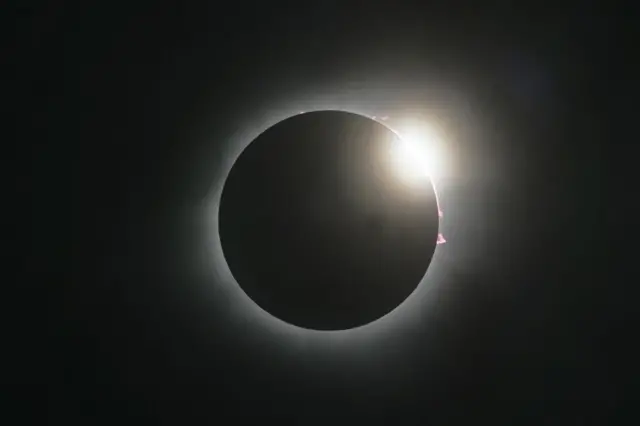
(133, 115)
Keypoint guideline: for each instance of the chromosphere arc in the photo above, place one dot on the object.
(316, 227)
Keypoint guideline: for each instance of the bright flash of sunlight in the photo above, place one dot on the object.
(417, 157)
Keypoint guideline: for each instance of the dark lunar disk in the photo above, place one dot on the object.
(316, 227)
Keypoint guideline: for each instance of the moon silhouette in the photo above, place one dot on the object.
(317, 228)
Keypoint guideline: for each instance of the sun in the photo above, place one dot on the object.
(416, 154)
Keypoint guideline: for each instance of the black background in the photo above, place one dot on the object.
(128, 117)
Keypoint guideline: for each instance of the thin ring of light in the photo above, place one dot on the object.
(244, 310)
